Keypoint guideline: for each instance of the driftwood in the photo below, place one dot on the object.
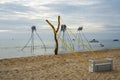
(55, 34)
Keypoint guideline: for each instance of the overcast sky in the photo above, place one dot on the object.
(17, 16)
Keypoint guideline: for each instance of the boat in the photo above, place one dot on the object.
(94, 41)
(101, 45)
(115, 40)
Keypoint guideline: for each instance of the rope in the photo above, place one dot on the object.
(74, 53)
(79, 36)
(41, 40)
(86, 40)
(70, 40)
(98, 56)
(63, 36)
(27, 43)
(71, 50)
(32, 44)
(61, 46)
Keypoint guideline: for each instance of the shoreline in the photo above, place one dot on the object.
(58, 54)
(58, 67)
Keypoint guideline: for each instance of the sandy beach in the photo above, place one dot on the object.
(58, 67)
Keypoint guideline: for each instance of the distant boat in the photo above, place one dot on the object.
(94, 41)
(115, 40)
(101, 45)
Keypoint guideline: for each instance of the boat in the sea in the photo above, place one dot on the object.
(94, 41)
(116, 40)
(101, 45)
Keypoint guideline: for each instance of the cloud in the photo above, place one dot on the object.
(2, 31)
(13, 7)
(95, 15)
(6, 1)
(14, 11)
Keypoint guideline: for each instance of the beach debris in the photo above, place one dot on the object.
(100, 65)
(55, 34)
(33, 29)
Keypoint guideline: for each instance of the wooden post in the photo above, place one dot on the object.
(55, 34)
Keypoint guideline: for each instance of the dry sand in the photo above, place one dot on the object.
(58, 67)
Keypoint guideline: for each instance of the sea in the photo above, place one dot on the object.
(68, 42)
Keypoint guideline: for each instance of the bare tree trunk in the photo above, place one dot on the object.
(56, 48)
(55, 34)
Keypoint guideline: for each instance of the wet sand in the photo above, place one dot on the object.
(59, 67)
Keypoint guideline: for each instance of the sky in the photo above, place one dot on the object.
(17, 16)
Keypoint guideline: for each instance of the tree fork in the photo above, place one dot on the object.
(55, 34)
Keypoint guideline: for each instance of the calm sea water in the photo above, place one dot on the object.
(10, 48)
